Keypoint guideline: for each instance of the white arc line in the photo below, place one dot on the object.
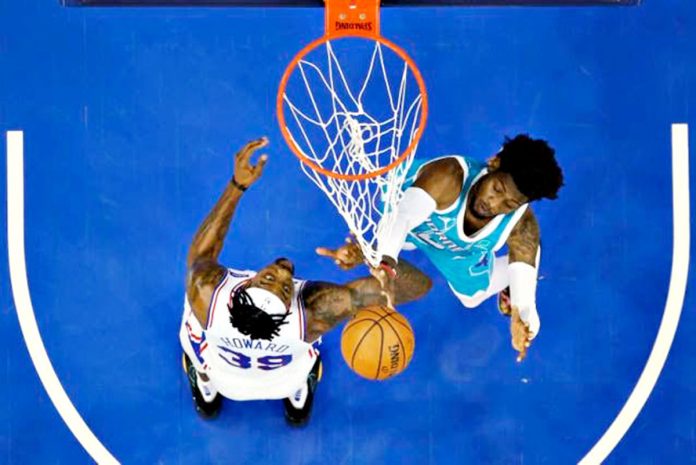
(598, 453)
(673, 307)
(25, 310)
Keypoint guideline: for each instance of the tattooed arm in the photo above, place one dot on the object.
(328, 304)
(523, 244)
(203, 270)
(410, 284)
(524, 239)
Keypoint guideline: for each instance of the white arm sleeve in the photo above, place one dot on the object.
(415, 207)
(523, 283)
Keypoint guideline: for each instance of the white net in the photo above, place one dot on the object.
(355, 129)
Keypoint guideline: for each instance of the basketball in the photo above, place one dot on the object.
(377, 343)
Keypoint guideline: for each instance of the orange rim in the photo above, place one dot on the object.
(281, 112)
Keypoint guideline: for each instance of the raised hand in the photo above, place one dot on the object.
(521, 336)
(346, 257)
(245, 174)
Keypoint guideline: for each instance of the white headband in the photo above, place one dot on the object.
(267, 301)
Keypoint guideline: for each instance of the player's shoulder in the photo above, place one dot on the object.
(441, 160)
(528, 218)
(207, 275)
(445, 172)
(305, 289)
(450, 165)
(239, 273)
(526, 222)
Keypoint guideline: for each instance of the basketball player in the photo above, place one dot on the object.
(460, 212)
(252, 335)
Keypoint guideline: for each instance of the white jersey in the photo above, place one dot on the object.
(241, 368)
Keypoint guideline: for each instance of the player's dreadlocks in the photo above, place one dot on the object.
(251, 320)
(532, 165)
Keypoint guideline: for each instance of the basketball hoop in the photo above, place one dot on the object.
(352, 106)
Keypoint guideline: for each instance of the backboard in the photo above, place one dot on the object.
(320, 3)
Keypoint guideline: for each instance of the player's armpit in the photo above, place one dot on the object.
(524, 239)
(202, 279)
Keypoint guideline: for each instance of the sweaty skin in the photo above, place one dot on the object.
(326, 304)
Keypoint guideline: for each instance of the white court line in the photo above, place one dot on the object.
(607, 443)
(673, 307)
(25, 310)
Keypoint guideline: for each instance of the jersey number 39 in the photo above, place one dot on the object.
(267, 362)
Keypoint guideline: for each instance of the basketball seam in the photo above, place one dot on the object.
(403, 347)
(390, 313)
(367, 331)
(357, 346)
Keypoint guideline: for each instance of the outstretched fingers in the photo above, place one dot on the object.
(258, 168)
(245, 173)
(346, 257)
(249, 149)
(339, 256)
(244, 155)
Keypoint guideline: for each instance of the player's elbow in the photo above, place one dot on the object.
(426, 286)
(420, 289)
(194, 254)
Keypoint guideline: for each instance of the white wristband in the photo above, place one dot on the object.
(523, 283)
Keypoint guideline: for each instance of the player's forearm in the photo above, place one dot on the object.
(523, 278)
(523, 244)
(523, 285)
(410, 284)
(208, 241)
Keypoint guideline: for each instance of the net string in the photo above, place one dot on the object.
(367, 206)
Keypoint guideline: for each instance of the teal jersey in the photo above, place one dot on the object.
(465, 261)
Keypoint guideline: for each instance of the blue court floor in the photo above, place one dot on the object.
(131, 118)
